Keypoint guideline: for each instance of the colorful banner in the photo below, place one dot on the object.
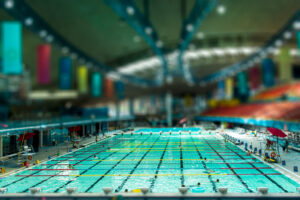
(254, 78)
(298, 39)
(43, 64)
(11, 48)
(188, 100)
(82, 79)
(221, 89)
(268, 72)
(96, 85)
(109, 88)
(285, 65)
(242, 81)
(65, 73)
(229, 88)
(120, 89)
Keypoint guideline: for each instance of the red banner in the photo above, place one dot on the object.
(109, 88)
(43, 64)
(254, 78)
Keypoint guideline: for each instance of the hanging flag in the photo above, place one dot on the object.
(298, 40)
(254, 78)
(268, 72)
(43, 64)
(285, 65)
(65, 73)
(82, 79)
(188, 100)
(109, 88)
(11, 48)
(120, 89)
(242, 81)
(221, 89)
(229, 88)
(96, 85)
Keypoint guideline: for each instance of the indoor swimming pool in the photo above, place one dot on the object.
(161, 162)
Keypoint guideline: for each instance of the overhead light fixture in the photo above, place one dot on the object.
(65, 50)
(278, 43)
(9, 4)
(221, 9)
(159, 44)
(113, 75)
(189, 27)
(49, 38)
(246, 50)
(232, 51)
(148, 30)
(287, 35)
(218, 51)
(28, 21)
(294, 52)
(130, 10)
(43, 33)
(296, 25)
(276, 51)
(205, 53)
(200, 35)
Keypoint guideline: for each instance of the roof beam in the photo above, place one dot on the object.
(32, 20)
(140, 23)
(189, 27)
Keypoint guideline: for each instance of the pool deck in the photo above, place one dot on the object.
(291, 157)
(255, 141)
(44, 153)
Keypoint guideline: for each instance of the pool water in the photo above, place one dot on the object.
(161, 162)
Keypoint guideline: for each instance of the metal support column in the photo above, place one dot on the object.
(169, 100)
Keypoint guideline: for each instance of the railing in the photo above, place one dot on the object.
(158, 196)
(16, 128)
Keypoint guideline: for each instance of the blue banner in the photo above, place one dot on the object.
(11, 48)
(242, 81)
(298, 39)
(65, 73)
(221, 89)
(268, 72)
(120, 89)
(96, 84)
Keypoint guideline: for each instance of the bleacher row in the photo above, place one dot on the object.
(289, 111)
(288, 91)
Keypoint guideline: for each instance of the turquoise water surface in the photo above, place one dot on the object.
(162, 162)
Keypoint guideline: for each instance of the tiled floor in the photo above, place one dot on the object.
(11, 165)
(292, 158)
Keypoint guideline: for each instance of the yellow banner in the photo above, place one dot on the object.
(82, 79)
(188, 100)
(285, 66)
(229, 88)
